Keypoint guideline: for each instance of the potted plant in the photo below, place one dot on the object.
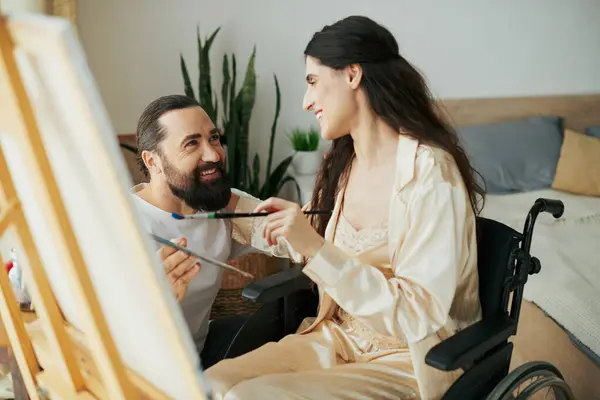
(305, 143)
(232, 111)
(236, 110)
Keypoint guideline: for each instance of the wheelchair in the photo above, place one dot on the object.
(483, 350)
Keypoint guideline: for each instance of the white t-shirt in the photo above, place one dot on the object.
(207, 237)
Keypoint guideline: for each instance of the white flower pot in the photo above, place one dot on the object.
(307, 162)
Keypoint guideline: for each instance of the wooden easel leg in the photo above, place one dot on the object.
(19, 388)
(47, 309)
(103, 348)
(15, 329)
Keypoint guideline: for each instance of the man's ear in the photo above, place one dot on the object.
(354, 73)
(152, 162)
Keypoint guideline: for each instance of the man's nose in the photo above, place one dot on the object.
(210, 154)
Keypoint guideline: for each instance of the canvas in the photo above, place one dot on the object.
(88, 229)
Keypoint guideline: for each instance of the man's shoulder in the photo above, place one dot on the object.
(139, 202)
(151, 215)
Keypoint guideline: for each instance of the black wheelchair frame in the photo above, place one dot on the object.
(483, 350)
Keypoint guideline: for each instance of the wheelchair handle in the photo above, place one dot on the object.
(527, 265)
(552, 206)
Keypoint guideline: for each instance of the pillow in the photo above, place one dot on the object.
(593, 131)
(578, 169)
(515, 156)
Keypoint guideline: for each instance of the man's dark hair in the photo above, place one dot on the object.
(149, 132)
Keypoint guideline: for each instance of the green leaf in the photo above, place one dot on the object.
(244, 103)
(248, 188)
(232, 162)
(200, 60)
(187, 83)
(211, 39)
(302, 140)
(254, 186)
(274, 126)
(272, 181)
(285, 180)
(247, 93)
(233, 84)
(225, 87)
(204, 81)
(256, 168)
(216, 111)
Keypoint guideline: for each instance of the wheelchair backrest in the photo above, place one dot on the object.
(495, 245)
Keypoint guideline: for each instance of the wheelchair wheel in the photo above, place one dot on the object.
(533, 380)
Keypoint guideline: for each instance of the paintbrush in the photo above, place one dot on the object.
(229, 215)
(202, 258)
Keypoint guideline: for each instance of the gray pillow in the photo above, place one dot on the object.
(593, 131)
(515, 156)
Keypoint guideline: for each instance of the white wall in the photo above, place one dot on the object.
(13, 6)
(466, 48)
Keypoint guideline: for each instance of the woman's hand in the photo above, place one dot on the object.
(288, 221)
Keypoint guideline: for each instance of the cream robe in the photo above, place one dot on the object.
(426, 291)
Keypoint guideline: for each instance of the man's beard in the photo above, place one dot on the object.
(200, 195)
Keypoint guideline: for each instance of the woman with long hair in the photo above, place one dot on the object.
(396, 260)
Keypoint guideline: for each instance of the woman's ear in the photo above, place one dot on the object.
(354, 75)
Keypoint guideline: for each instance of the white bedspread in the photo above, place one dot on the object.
(568, 286)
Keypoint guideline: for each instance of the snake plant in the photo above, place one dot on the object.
(236, 111)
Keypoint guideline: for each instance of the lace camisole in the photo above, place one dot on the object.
(356, 241)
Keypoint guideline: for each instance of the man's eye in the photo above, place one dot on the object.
(191, 143)
(215, 137)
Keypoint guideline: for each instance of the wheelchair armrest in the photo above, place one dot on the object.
(276, 286)
(463, 348)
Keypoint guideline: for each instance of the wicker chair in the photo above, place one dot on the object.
(229, 301)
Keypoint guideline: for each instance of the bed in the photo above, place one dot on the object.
(534, 147)
(560, 320)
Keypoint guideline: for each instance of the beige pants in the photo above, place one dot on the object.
(318, 365)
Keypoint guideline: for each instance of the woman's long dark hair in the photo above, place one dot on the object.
(396, 92)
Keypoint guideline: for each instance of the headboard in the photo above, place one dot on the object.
(492, 149)
(579, 111)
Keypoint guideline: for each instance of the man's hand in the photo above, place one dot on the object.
(180, 267)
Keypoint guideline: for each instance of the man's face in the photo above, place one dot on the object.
(193, 160)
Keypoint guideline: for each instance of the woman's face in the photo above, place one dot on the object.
(331, 96)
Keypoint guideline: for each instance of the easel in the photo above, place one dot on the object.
(54, 357)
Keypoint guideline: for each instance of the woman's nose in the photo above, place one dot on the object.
(307, 102)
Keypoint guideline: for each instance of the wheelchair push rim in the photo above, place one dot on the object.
(541, 375)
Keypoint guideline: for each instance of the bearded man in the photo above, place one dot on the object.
(180, 152)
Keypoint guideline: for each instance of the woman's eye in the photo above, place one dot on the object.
(191, 143)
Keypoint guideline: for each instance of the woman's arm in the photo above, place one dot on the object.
(249, 231)
(416, 301)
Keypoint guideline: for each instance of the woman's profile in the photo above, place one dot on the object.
(396, 261)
